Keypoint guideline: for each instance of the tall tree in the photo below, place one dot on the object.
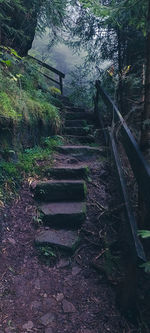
(145, 132)
(145, 125)
(18, 23)
(20, 18)
(113, 30)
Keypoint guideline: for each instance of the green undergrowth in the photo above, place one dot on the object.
(25, 94)
(29, 110)
(14, 169)
(47, 254)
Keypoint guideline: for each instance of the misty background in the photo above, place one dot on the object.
(59, 56)
(79, 80)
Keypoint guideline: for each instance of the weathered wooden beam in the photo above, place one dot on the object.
(133, 251)
(125, 198)
(61, 84)
(139, 165)
(133, 246)
(43, 64)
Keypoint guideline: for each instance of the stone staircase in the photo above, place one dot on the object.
(62, 197)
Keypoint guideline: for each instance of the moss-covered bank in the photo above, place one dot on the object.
(27, 107)
(29, 121)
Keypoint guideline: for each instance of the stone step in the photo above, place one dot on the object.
(65, 100)
(63, 214)
(65, 239)
(74, 149)
(76, 123)
(78, 131)
(74, 109)
(80, 139)
(74, 172)
(79, 116)
(54, 190)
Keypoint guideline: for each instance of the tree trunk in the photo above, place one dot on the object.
(145, 127)
(120, 87)
(19, 25)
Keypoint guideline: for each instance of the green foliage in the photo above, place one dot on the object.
(97, 8)
(9, 29)
(47, 251)
(113, 32)
(81, 87)
(19, 19)
(146, 267)
(55, 90)
(52, 14)
(145, 234)
(23, 93)
(7, 109)
(38, 219)
(13, 172)
(25, 100)
(114, 11)
(51, 143)
(47, 254)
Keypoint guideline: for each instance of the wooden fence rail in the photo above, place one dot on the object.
(53, 70)
(141, 172)
(139, 165)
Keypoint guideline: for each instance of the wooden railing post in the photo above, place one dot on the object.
(61, 84)
(96, 102)
(97, 111)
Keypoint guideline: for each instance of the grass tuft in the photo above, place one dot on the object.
(12, 173)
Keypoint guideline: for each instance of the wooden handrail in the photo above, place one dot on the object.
(139, 251)
(141, 170)
(43, 64)
(54, 70)
(140, 167)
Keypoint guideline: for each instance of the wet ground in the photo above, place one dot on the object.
(66, 293)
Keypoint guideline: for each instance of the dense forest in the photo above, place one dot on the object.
(103, 49)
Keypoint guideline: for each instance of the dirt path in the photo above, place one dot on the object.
(63, 293)
(68, 295)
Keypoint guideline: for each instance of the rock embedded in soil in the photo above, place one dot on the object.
(37, 284)
(36, 306)
(63, 263)
(11, 241)
(28, 326)
(48, 330)
(68, 307)
(8, 330)
(49, 303)
(72, 161)
(86, 330)
(47, 319)
(59, 297)
(65, 239)
(76, 270)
